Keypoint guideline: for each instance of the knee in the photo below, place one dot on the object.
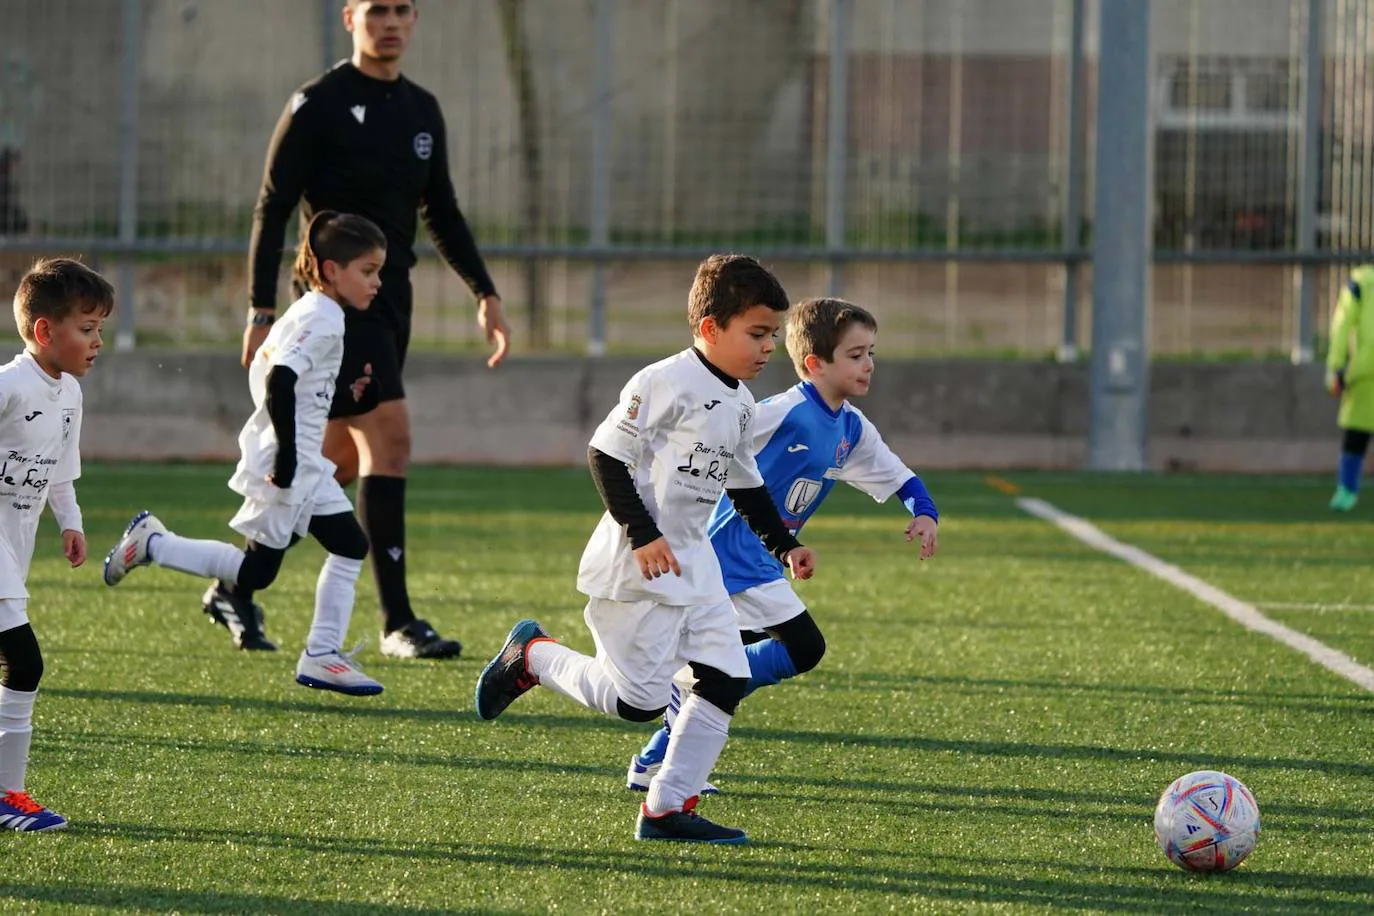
(23, 668)
(258, 569)
(719, 689)
(635, 714)
(808, 653)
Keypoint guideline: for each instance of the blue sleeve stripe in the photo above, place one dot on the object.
(916, 498)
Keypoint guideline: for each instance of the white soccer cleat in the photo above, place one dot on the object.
(132, 549)
(337, 671)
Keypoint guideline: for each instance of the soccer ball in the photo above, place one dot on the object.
(1207, 821)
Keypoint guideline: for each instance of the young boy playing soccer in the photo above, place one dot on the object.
(287, 485)
(679, 437)
(806, 438)
(60, 307)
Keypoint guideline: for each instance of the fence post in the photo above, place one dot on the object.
(837, 141)
(129, 73)
(1072, 234)
(1313, 75)
(1121, 241)
(602, 49)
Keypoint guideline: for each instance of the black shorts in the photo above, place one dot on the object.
(375, 344)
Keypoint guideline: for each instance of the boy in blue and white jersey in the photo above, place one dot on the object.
(806, 439)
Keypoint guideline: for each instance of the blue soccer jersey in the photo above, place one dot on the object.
(803, 447)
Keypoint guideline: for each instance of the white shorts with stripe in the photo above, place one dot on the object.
(642, 644)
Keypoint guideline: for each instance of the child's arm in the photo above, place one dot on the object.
(758, 510)
(1343, 324)
(281, 410)
(618, 494)
(62, 501)
(875, 468)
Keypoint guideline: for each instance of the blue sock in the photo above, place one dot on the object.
(1351, 464)
(769, 663)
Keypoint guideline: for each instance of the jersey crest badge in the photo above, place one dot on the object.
(359, 112)
(745, 417)
(424, 145)
(67, 414)
(632, 412)
(842, 451)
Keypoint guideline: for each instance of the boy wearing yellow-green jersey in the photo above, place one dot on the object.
(1350, 376)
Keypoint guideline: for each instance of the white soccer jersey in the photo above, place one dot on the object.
(308, 340)
(683, 433)
(40, 435)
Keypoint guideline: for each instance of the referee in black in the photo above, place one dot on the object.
(364, 139)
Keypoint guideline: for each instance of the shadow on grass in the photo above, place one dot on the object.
(123, 897)
(782, 865)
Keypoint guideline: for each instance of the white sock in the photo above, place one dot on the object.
(16, 731)
(333, 604)
(683, 682)
(698, 738)
(574, 675)
(207, 559)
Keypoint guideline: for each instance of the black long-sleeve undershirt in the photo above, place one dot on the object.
(281, 410)
(618, 493)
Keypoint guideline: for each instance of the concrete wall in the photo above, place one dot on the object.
(936, 414)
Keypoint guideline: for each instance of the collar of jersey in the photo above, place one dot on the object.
(809, 389)
(729, 381)
(53, 383)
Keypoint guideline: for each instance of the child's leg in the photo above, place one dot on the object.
(794, 647)
(204, 558)
(23, 668)
(341, 535)
(698, 737)
(1354, 445)
(577, 676)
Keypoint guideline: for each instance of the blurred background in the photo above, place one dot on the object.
(933, 160)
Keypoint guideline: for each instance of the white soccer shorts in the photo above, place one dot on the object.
(272, 524)
(642, 644)
(766, 605)
(14, 612)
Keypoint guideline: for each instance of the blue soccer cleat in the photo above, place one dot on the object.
(507, 676)
(686, 826)
(23, 814)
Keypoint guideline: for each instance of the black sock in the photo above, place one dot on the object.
(382, 511)
(238, 591)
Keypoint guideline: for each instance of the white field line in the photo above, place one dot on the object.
(1241, 612)
(1307, 606)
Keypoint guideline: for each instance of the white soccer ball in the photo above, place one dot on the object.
(1207, 821)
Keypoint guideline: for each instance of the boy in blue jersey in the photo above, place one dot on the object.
(806, 438)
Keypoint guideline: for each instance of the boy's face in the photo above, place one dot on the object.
(741, 348)
(356, 283)
(69, 345)
(850, 371)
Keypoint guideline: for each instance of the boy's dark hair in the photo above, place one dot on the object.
(337, 237)
(728, 284)
(55, 288)
(815, 326)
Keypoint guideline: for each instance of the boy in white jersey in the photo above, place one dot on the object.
(59, 307)
(806, 438)
(287, 485)
(679, 437)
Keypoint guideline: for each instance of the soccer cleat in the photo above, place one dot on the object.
(1343, 500)
(686, 826)
(337, 671)
(132, 549)
(641, 773)
(243, 619)
(418, 639)
(21, 813)
(508, 675)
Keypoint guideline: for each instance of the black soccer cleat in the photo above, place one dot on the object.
(418, 639)
(243, 619)
(507, 675)
(686, 826)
